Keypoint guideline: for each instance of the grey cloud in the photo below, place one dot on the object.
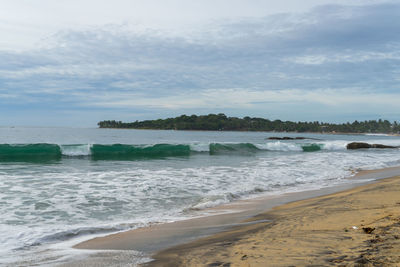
(331, 47)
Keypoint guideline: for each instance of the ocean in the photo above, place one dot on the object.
(62, 185)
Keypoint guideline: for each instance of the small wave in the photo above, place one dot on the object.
(212, 201)
(312, 147)
(29, 152)
(76, 150)
(334, 145)
(377, 134)
(200, 147)
(280, 146)
(82, 231)
(216, 200)
(240, 148)
(129, 152)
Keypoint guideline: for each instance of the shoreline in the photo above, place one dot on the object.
(154, 239)
(354, 227)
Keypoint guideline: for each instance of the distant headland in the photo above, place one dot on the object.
(220, 122)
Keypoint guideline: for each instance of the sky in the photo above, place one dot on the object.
(75, 63)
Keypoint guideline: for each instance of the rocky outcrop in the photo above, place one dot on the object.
(286, 138)
(359, 145)
(383, 146)
(291, 138)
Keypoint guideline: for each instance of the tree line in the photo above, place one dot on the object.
(220, 122)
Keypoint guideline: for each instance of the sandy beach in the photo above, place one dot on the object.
(353, 227)
(356, 227)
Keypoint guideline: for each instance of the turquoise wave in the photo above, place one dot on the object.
(127, 152)
(312, 147)
(30, 152)
(52, 152)
(241, 148)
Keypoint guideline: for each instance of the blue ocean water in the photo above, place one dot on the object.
(60, 184)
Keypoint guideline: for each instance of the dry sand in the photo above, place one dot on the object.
(356, 227)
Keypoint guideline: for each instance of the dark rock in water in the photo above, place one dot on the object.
(359, 145)
(286, 138)
(382, 146)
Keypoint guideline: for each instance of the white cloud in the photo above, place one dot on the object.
(82, 70)
(241, 98)
(349, 57)
(26, 24)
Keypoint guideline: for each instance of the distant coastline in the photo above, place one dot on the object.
(220, 122)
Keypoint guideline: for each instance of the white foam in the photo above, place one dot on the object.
(200, 147)
(293, 146)
(377, 134)
(280, 146)
(76, 150)
(334, 145)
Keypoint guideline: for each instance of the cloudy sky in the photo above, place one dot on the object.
(74, 63)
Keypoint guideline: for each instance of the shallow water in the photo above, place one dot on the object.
(59, 184)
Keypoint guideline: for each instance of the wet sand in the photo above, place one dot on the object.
(305, 232)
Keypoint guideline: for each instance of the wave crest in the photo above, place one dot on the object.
(48, 152)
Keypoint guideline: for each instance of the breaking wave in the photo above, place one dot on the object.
(50, 152)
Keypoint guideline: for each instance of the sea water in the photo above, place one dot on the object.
(59, 185)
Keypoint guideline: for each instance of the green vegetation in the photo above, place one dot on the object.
(220, 122)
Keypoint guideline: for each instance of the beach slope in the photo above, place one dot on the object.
(356, 227)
